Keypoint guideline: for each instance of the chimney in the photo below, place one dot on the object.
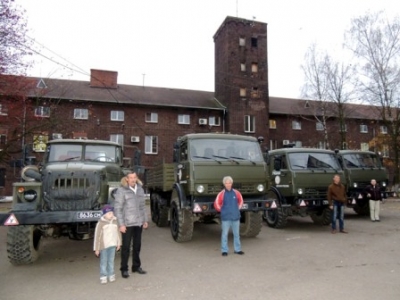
(103, 79)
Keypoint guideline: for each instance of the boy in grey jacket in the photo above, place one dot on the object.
(130, 210)
(107, 240)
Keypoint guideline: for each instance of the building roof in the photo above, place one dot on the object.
(293, 107)
(127, 94)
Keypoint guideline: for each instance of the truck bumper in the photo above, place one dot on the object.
(248, 205)
(14, 218)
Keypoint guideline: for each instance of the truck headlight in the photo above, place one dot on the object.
(30, 195)
(300, 191)
(355, 185)
(384, 183)
(260, 187)
(200, 189)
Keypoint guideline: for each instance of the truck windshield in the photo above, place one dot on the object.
(361, 160)
(302, 161)
(76, 152)
(205, 149)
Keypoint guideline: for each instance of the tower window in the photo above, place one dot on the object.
(254, 42)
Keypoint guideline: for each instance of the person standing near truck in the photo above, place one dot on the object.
(130, 210)
(374, 194)
(229, 202)
(337, 199)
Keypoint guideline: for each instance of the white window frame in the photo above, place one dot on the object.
(3, 110)
(42, 111)
(363, 128)
(214, 121)
(242, 42)
(151, 144)
(319, 126)
(242, 92)
(184, 119)
(254, 67)
(272, 124)
(296, 125)
(249, 124)
(385, 151)
(117, 115)
(81, 113)
(243, 67)
(151, 118)
(117, 138)
(343, 129)
(383, 129)
(298, 144)
(364, 146)
(321, 145)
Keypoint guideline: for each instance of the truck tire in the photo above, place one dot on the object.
(362, 210)
(159, 215)
(322, 217)
(181, 223)
(23, 244)
(250, 224)
(275, 218)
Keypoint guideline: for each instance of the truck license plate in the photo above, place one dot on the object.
(245, 206)
(82, 215)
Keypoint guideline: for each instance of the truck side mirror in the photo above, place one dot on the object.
(277, 163)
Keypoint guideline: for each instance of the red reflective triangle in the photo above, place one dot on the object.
(302, 203)
(11, 221)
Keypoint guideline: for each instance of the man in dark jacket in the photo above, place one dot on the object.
(337, 200)
(374, 194)
(130, 210)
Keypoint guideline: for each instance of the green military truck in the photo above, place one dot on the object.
(359, 168)
(183, 192)
(63, 196)
(298, 180)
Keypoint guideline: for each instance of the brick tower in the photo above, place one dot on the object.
(241, 75)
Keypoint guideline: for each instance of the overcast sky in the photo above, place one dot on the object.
(171, 41)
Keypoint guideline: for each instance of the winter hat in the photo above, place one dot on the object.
(107, 208)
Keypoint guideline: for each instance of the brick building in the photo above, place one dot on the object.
(149, 119)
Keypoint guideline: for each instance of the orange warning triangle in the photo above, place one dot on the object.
(273, 205)
(302, 203)
(11, 220)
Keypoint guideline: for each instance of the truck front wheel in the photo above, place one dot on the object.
(23, 244)
(181, 223)
(275, 218)
(250, 224)
(322, 217)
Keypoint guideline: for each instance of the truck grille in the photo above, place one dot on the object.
(71, 191)
(242, 187)
(316, 192)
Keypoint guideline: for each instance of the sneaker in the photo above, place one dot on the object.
(103, 280)
(112, 278)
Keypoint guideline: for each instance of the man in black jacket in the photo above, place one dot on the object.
(374, 195)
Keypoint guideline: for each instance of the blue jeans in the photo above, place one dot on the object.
(226, 225)
(107, 261)
(338, 212)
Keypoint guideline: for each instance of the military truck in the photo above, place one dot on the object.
(183, 192)
(63, 196)
(359, 168)
(298, 180)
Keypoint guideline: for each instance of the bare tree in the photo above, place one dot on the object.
(332, 85)
(375, 40)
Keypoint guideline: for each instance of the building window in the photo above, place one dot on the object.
(3, 110)
(243, 92)
(273, 144)
(296, 125)
(40, 142)
(117, 115)
(152, 117)
(363, 128)
(243, 67)
(272, 124)
(319, 126)
(42, 111)
(183, 119)
(117, 138)
(151, 144)
(254, 42)
(385, 150)
(364, 147)
(383, 129)
(255, 93)
(249, 123)
(321, 145)
(254, 67)
(343, 128)
(214, 121)
(81, 113)
(242, 42)
(3, 141)
(298, 144)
